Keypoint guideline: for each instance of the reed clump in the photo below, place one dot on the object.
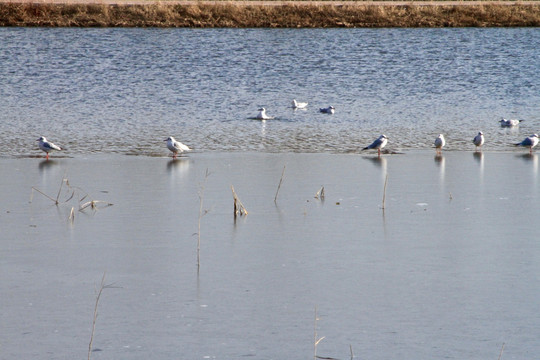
(286, 15)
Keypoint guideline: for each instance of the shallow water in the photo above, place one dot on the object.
(448, 270)
(125, 90)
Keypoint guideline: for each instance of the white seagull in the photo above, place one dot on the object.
(176, 146)
(299, 105)
(328, 110)
(378, 144)
(262, 115)
(47, 146)
(529, 141)
(439, 143)
(510, 123)
(479, 140)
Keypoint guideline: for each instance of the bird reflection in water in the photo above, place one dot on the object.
(478, 156)
(178, 164)
(530, 158)
(439, 161)
(47, 164)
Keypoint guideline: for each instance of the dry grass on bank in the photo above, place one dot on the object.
(287, 15)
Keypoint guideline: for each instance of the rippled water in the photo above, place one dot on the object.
(125, 90)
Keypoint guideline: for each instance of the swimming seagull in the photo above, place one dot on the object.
(176, 146)
(479, 140)
(439, 143)
(328, 110)
(262, 115)
(510, 123)
(47, 146)
(378, 144)
(299, 105)
(529, 141)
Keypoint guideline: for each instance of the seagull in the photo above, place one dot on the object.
(439, 143)
(47, 146)
(176, 146)
(378, 144)
(529, 141)
(328, 110)
(510, 123)
(299, 105)
(478, 140)
(262, 115)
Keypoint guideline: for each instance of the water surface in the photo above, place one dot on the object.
(448, 270)
(125, 90)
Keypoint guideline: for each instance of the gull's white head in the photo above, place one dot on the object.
(42, 138)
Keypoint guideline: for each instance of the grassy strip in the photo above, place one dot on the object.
(234, 15)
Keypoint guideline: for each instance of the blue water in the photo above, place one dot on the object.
(449, 269)
(125, 90)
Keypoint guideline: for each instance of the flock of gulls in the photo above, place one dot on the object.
(176, 147)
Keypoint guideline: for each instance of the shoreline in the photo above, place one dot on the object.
(268, 14)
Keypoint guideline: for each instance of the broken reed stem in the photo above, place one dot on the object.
(201, 214)
(320, 193)
(60, 190)
(316, 339)
(101, 287)
(42, 193)
(384, 191)
(239, 208)
(352, 354)
(502, 349)
(72, 215)
(93, 204)
(280, 181)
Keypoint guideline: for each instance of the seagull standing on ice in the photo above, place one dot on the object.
(299, 105)
(479, 140)
(262, 115)
(378, 144)
(328, 110)
(439, 143)
(176, 146)
(530, 142)
(510, 123)
(47, 146)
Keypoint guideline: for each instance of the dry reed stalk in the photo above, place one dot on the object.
(57, 199)
(246, 15)
(320, 193)
(201, 214)
(101, 287)
(42, 193)
(280, 182)
(239, 208)
(93, 204)
(72, 215)
(502, 349)
(316, 339)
